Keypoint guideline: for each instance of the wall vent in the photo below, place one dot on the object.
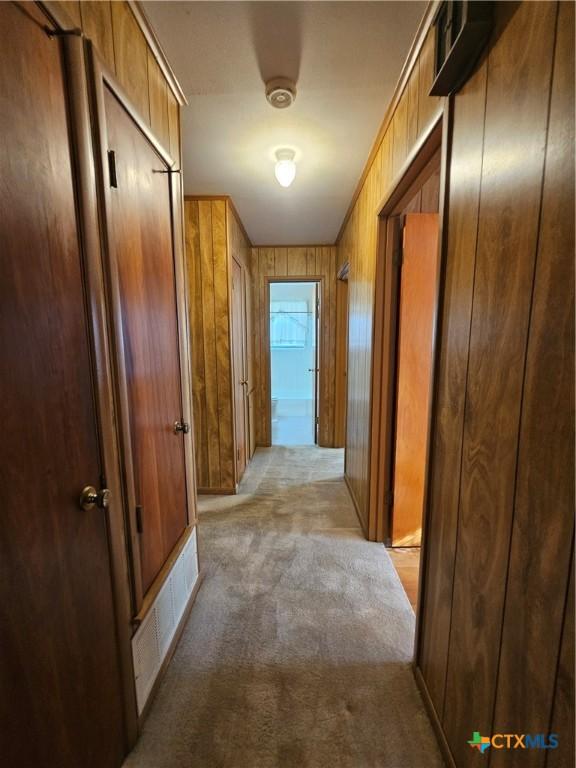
(152, 640)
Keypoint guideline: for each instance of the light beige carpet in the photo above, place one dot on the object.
(297, 650)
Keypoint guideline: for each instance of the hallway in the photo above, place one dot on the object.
(301, 633)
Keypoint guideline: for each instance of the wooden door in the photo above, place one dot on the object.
(145, 310)
(415, 337)
(316, 361)
(249, 359)
(238, 365)
(61, 700)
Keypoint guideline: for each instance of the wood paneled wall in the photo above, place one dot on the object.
(313, 261)
(414, 113)
(119, 39)
(496, 621)
(214, 235)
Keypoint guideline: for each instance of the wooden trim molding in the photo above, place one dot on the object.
(434, 719)
(411, 60)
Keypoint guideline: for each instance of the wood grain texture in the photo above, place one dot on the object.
(174, 126)
(214, 238)
(562, 720)
(453, 340)
(131, 54)
(540, 554)
(221, 376)
(142, 259)
(341, 364)
(97, 25)
(238, 311)
(158, 100)
(298, 262)
(427, 105)
(72, 10)
(518, 81)
(417, 308)
(358, 245)
(61, 700)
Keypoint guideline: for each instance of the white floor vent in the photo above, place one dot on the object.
(153, 637)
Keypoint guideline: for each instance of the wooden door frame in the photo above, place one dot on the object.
(383, 378)
(91, 243)
(101, 78)
(319, 280)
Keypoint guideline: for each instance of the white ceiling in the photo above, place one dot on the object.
(346, 58)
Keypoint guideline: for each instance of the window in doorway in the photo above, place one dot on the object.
(293, 362)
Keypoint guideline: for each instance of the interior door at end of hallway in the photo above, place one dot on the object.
(145, 311)
(61, 702)
(416, 314)
(316, 417)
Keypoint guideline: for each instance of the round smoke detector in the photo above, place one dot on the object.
(280, 92)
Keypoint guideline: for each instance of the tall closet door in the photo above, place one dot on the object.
(61, 698)
(145, 309)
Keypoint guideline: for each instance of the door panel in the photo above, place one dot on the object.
(61, 701)
(142, 256)
(239, 378)
(415, 335)
(250, 386)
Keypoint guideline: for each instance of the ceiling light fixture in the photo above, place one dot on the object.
(285, 169)
(280, 92)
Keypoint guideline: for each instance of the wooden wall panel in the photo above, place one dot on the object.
(131, 53)
(427, 105)
(118, 35)
(540, 553)
(213, 236)
(519, 72)
(158, 99)
(562, 720)
(222, 337)
(174, 126)
(492, 629)
(452, 366)
(298, 262)
(72, 9)
(97, 25)
(357, 244)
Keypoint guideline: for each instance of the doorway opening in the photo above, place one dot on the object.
(407, 289)
(294, 366)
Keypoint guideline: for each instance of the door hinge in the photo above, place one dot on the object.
(317, 420)
(112, 168)
(139, 525)
(389, 498)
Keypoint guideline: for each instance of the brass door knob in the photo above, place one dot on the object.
(90, 498)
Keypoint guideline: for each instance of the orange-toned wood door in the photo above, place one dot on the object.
(417, 306)
(240, 382)
(145, 309)
(61, 698)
